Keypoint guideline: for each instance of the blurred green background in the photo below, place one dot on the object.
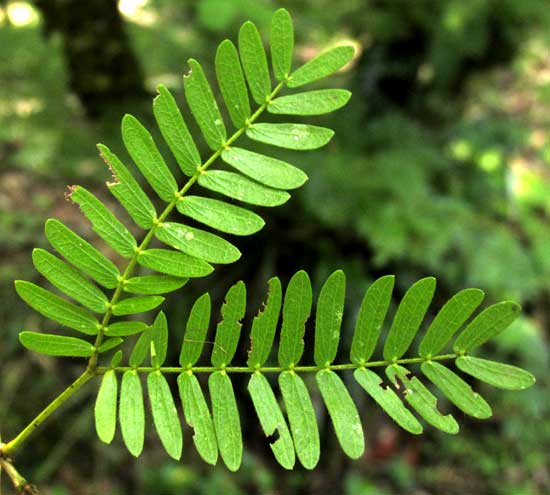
(440, 166)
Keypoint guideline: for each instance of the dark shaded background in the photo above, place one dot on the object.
(439, 166)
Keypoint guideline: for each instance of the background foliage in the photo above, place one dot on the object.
(439, 166)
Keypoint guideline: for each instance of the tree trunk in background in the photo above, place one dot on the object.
(102, 67)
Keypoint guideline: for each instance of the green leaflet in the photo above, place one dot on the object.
(131, 413)
(282, 44)
(203, 106)
(146, 156)
(153, 284)
(55, 345)
(408, 318)
(370, 319)
(69, 281)
(165, 415)
(195, 331)
(57, 309)
(388, 400)
(254, 61)
(272, 420)
(291, 136)
(296, 311)
(451, 317)
(127, 190)
(456, 390)
(174, 263)
(109, 344)
(321, 66)
(498, 375)
(226, 419)
(159, 340)
(139, 304)
(175, 132)
(241, 188)
(105, 407)
(343, 413)
(141, 348)
(310, 103)
(197, 243)
(116, 359)
(264, 325)
(421, 399)
(219, 215)
(301, 417)
(229, 329)
(269, 171)
(328, 320)
(232, 84)
(82, 254)
(104, 222)
(197, 416)
(125, 328)
(487, 325)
